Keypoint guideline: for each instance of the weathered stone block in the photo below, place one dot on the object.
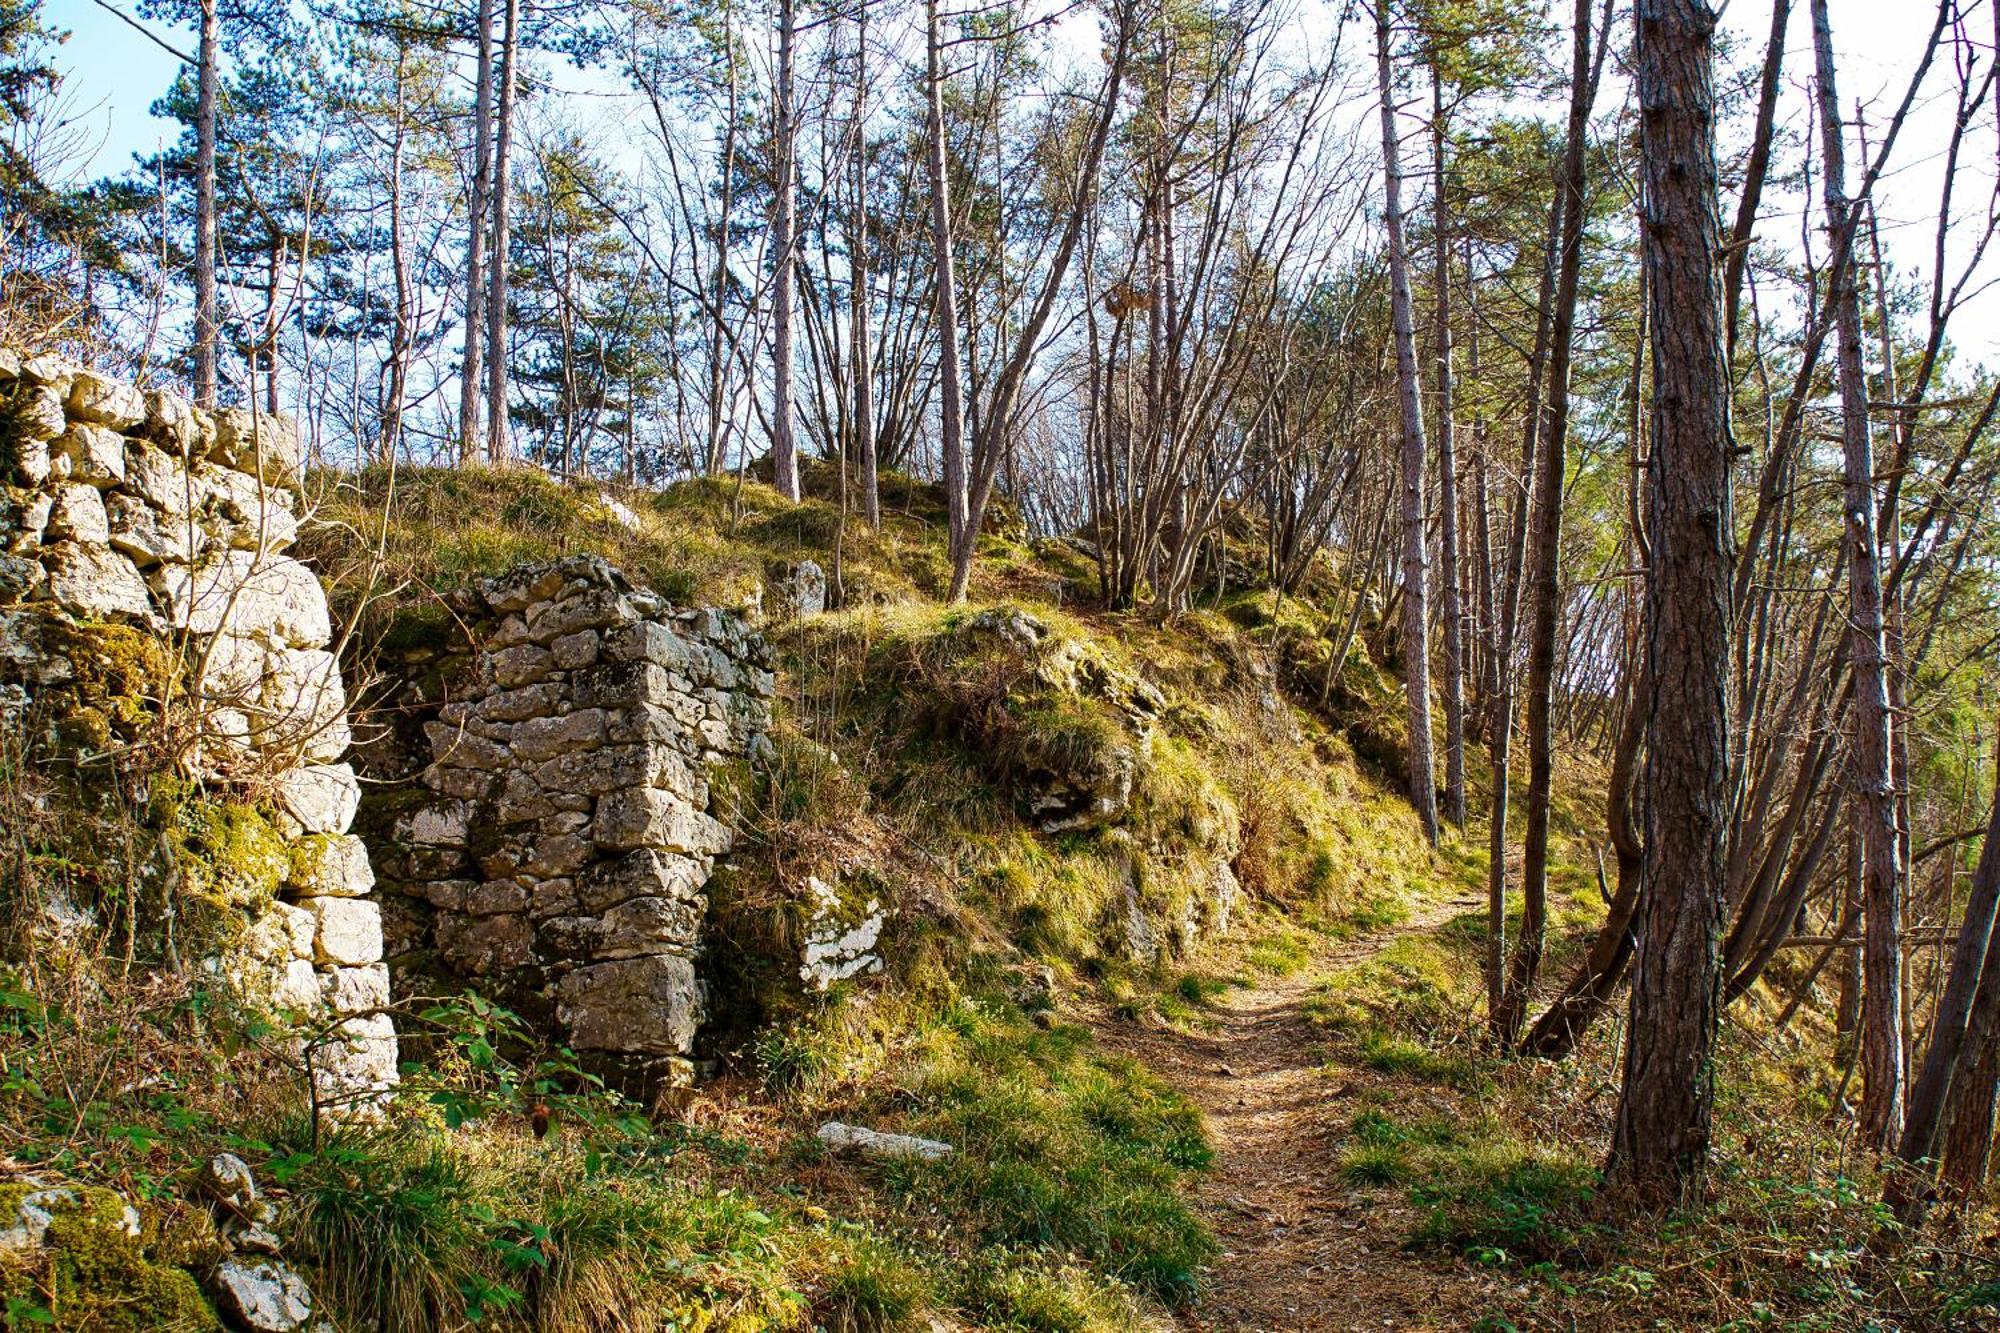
(641, 1005)
(105, 402)
(147, 536)
(321, 797)
(349, 931)
(648, 817)
(263, 444)
(270, 597)
(354, 990)
(641, 874)
(76, 513)
(479, 945)
(330, 865)
(543, 738)
(95, 583)
(95, 455)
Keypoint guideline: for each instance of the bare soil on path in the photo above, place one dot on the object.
(1302, 1248)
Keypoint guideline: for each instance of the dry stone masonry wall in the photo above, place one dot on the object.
(132, 509)
(564, 848)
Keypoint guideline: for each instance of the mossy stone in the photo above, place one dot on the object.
(98, 1277)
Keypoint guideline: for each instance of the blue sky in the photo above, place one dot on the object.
(115, 74)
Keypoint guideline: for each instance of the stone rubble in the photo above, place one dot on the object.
(884, 1147)
(132, 507)
(561, 858)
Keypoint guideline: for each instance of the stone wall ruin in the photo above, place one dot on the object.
(558, 855)
(126, 511)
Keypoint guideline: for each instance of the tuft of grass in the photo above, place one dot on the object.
(1389, 1054)
(1506, 1201)
(1375, 1164)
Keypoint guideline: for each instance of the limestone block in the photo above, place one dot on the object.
(543, 738)
(439, 824)
(354, 990)
(598, 608)
(105, 402)
(873, 1143)
(77, 514)
(170, 420)
(95, 583)
(297, 986)
(521, 665)
(641, 926)
(263, 444)
(494, 897)
(321, 797)
(303, 706)
(626, 685)
(38, 413)
(148, 536)
(574, 651)
(520, 705)
(262, 1294)
(462, 747)
(31, 461)
(161, 481)
(270, 597)
(649, 817)
(231, 668)
(350, 930)
(479, 945)
(356, 1068)
(259, 515)
(613, 767)
(646, 873)
(95, 455)
(805, 591)
(330, 865)
(51, 371)
(648, 1004)
(649, 641)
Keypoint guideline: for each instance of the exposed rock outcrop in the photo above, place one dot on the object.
(560, 856)
(146, 538)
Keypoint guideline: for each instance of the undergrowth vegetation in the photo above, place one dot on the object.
(1066, 811)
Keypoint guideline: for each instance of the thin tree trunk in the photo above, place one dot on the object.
(1416, 593)
(471, 378)
(784, 226)
(864, 365)
(499, 449)
(1501, 718)
(1873, 785)
(1969, 1104)
(1525, 966)
(208, 77)
(951, 413)
(1451, 593)
(1660, 1141)
(1942, 1060)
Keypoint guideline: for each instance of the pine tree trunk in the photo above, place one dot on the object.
(208, 77)
(1871, 746)
(499, 450)
(784, 226)
(951, 414)
(1944, 1057)
(1416, 592)
(471, 376)
(1660, 1141)
(1450, 591)
(864, 364)
(1525, 966)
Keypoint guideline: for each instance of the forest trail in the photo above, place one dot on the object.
(1302, 1249)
